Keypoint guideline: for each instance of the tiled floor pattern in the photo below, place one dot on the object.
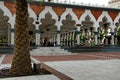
(81, 56)
(75, 65)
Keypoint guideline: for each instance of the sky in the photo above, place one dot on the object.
(99, 2)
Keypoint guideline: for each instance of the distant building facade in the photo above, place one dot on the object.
(114, 3)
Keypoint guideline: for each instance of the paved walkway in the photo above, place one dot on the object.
(87, 66)
(37, 77)
(88, 70)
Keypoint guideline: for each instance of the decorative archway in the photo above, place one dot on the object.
(48, 31)
(87, 30)
(68, 31)
(104, 31)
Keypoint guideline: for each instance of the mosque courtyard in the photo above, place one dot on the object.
(70, 41)
(74, 66)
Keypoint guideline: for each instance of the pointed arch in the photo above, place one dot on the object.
(48, 9)
(105, 13)
(69, 11)
(88, 13)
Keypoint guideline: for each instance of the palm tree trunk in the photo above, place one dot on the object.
(21, 63)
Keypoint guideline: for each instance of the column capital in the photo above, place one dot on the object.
(112, 33)
(37, 22)
(37, 31)
(58, 31)
(77, 32)
(12, 30)
(79, 25)
(96, 33)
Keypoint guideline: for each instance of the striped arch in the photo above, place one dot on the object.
(109, 19)
(88, 12)
(48, 9)
(105, 13)
(68, 11)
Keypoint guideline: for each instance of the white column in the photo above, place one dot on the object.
(106, 40)
(54, 40)
(58, 38)
(37, 35)
(116, 40)
(96, 38)
(78, 39)
(78, 35)
(66, 39)
(12, 37)
(112, 38)
(70, 38)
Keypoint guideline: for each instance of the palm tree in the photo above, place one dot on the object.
(21, 63)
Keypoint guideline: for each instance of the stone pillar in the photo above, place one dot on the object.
(37, 35)
(62, 39)
(12, 37)
(78, 35)
(66, 39)
(54, 40)
(106, 37)
(112, 38)
(96, 38)
(73, 40)
(116, 40)
(58, 37)
(70, 39)
(106, 40)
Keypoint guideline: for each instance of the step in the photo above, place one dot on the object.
(49, 50)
